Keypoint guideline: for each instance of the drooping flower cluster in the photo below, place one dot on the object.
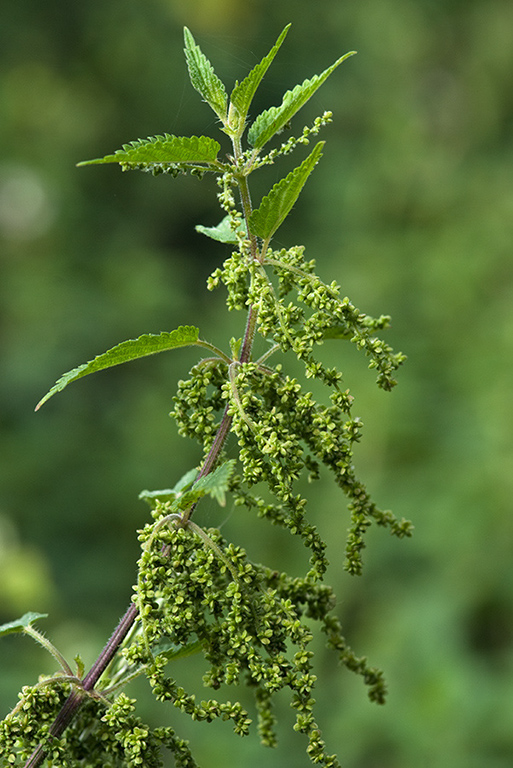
(195, 592)
(246, 619)
(281, 430)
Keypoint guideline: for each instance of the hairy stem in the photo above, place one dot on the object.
(42, 640)
(74, 700)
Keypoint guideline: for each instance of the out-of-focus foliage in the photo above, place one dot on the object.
(410, 209)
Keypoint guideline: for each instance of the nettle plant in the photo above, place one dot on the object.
(260, 432)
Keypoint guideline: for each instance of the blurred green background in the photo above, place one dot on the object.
(410, 210)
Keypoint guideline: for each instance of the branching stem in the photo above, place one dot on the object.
(74, 700)
(283, 421)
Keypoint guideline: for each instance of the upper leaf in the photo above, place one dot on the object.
(242, 94)
(145, 345)
(203, 77)
(272, 120)
(21, 624)
(265, 220)
(163, 150)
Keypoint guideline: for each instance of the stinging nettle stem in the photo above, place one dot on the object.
(72, 704)
(74, 700)
(258, 615)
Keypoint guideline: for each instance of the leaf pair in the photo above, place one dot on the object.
(206, 82)
(184, 152)
(233, 117)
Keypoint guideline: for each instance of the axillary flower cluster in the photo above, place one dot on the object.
(261, 431)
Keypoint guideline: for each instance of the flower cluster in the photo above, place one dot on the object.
(281, 429)
(292, 142)
(28, 724)
(198, 401)
(246, 619)
(195, 592)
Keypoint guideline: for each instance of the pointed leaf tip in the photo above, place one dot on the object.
(275, 207)
(133, 349)
(273, 120)
(243, 93)
(223, 232)
(203, 78)
(163, 152)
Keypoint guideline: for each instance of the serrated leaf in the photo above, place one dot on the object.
(185, 481)
(171, 651)
(20, 625)
(148, 344)
(242, 94)
(265, 220)
(223, 232)
(216, 483)
(169, 494)
(274, 119)
(166, 150)
(203, 77)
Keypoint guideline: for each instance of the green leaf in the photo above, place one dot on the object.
(338, 332)
(242, 94)
(171, 651)
(169, 494)
(148, 344)
(20, 625)
(235, 345)
(265, 220)
(80, 666)
(185, 481)
(222, 232)
(216, 483)
(203, 77)
(166, 494)
(164, 151)
(273, 120)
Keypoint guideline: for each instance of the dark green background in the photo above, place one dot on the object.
(410, 211)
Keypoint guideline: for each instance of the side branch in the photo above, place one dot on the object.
(74, 700)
